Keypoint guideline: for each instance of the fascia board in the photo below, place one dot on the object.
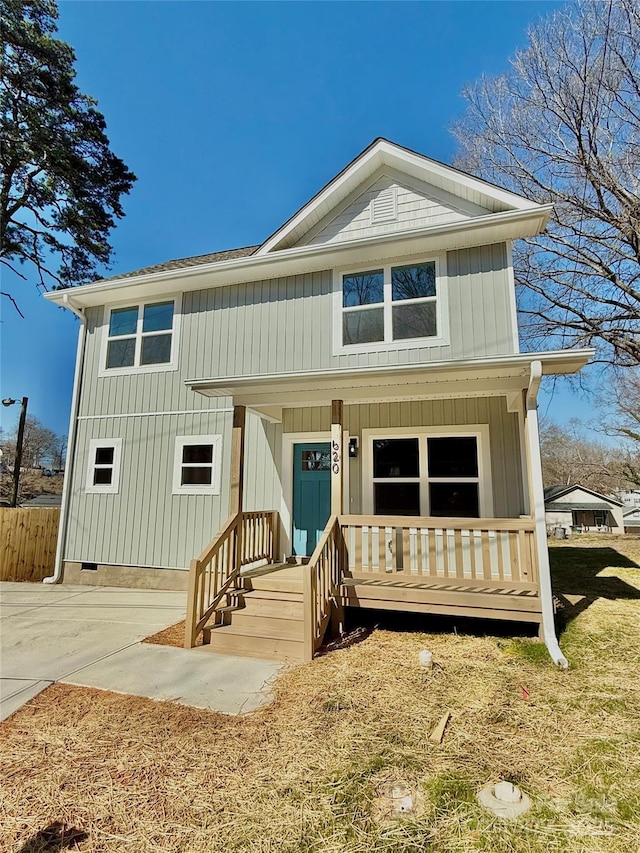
(432, 168)
(336, 189)
(518, 365)
(384, 153)
(454, 235)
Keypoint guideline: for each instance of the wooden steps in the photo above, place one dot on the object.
(264, 619)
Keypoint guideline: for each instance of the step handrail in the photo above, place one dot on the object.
(322, 579)
(244, 538)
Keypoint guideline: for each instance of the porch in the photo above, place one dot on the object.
(249, 596)
(457, 567)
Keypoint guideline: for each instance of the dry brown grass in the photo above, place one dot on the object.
(302, 774)
(171, 636)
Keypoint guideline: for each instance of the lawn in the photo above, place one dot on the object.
(96, 771)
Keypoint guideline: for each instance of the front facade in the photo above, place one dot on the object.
(362, 363)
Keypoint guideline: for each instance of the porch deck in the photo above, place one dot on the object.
(458, 567)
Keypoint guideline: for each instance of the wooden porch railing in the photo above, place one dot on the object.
(486, 550)
(322, 578)
(245, 538)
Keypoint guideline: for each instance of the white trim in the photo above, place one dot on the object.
(289, 439)
(553, 359)
(113, 487)
(212, 488)
(466, 233)
(153, 414)
(389, 344)
(136, 367)
(380, 153)
(70, 461)
(513, 308)
(538, 511)
(522, 438)
(478, 431)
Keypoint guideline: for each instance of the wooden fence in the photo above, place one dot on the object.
(28, 540)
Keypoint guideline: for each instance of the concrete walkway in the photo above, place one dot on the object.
(90, 636)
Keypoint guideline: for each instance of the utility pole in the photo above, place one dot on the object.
(20, 437)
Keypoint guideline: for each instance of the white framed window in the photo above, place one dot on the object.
(103, 469)
(140, 337)
(196, 468)
(428, 471)
(392, 306)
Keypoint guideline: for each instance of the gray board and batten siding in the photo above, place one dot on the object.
(506, 468)
(146, 525)
(285, 325)
(282, 325)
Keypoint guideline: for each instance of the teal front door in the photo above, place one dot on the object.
(311, 495)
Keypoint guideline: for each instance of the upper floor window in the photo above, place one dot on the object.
(141, 337)
(390, 305)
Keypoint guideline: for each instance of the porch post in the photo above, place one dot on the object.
(336, 457)
(537, 510)
(237, 477)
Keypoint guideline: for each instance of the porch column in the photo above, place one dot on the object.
(536, 492)
(236, 485)
(336, 457)
(237, 460)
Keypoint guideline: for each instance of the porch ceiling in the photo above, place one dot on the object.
(498, 375)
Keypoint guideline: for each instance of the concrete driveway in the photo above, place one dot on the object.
(90, 636)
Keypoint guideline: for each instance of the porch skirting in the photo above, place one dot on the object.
(131, 577)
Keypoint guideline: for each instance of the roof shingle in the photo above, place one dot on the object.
(185, 263)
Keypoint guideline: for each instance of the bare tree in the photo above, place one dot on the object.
(563, 126)
(571, 455)
(623, 399)
(39, 445)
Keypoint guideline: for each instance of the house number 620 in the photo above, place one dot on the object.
(335, 457)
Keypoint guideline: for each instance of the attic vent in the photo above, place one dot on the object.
(383, 206)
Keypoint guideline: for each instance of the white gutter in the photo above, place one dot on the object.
(71, 443)
(315, 257)
(556, 362)
(538, 511)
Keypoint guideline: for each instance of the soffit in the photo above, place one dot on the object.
(502, 375)
(479, 231)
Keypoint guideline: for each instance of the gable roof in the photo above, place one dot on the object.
(383, 153)
(508, 217)
(552, 493)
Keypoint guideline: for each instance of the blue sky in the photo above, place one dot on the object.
(232, 115)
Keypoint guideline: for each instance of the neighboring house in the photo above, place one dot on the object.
(630, 497)
(350, 392)
(631, 520)
(578, 509)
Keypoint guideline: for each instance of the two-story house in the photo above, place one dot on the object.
(349, 396)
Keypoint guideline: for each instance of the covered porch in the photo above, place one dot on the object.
(458, 558)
